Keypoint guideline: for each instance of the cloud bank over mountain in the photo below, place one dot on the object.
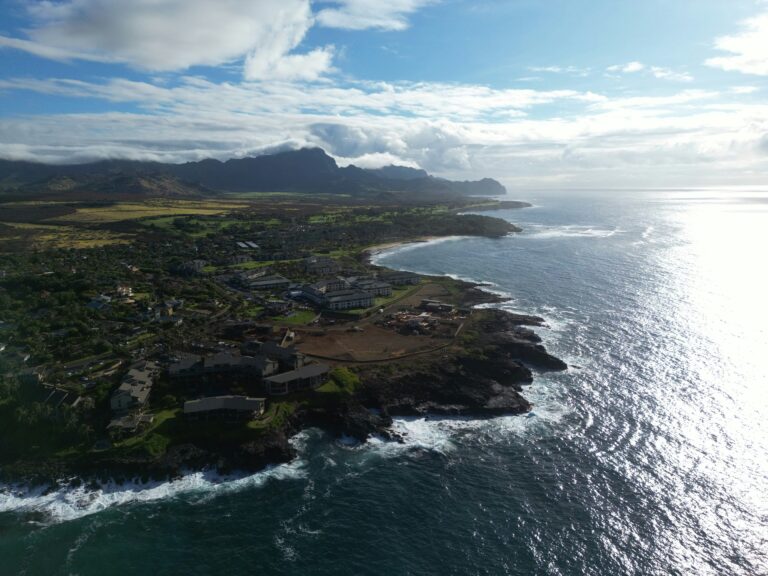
(178, 80)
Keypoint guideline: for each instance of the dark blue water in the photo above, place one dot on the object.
(649, 456)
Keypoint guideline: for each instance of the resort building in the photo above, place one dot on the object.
(339, 299)
(348, 300)
(320, 265)
(274, 282)
(374, 287)
(224, 368)
(305, 378)
(226, 408)
(396, 278)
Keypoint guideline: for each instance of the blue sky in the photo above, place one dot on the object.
(537, 93)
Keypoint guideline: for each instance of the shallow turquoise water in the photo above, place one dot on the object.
(647, 457)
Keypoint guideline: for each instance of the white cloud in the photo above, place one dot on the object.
(685, 138)
(364, 14)
(748, 49)
(669, 74)
(655, 71)
(745, 89)
(569, 70)
(628, 68)
(170, 35)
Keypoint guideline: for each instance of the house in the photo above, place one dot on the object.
(275, 282)
(123, 291)
(227, 408)
(320, 265)
(101, 302)
(396, 278)
(135, 387)
(305, 378)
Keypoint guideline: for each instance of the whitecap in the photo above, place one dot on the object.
(67, 503)
(539, 232)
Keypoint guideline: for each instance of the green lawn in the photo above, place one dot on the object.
(298, 318)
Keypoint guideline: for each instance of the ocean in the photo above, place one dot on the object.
(648, 456)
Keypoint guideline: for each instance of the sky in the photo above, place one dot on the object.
(535, 93)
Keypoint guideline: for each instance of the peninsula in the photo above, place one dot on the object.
(150, 324)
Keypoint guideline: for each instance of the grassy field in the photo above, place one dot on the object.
(48, 225)
(298, 318)
(46, 236)
(158, 208)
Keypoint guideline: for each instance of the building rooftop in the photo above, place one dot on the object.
(308, 371)
(211, 403)
(266, 280)
(342, 295)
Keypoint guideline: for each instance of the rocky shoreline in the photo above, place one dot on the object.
(480, 375)
(482, 378)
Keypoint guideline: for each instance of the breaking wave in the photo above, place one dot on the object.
(62, 504)
(571, 231)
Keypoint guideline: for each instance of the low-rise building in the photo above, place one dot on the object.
(396, 278)
(274, 282)
(287, 357)
(320, 265)
(305, 378)
(348, 299)
(101, 302)
(374, 287)
(330, 285)
(227, 408)
(339, 299)
(135, 387)
(222, 369)
(187, 371)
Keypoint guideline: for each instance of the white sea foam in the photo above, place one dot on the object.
(409, 246)
(442, 434)
(69, 503)
(572, 231)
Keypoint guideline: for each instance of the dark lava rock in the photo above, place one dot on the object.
(350, 419)
(526, 351)
(499, 367)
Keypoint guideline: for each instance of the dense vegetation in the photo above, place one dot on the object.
(62, 315)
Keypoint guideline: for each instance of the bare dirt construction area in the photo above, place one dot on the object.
(364, 341)
(370, 344)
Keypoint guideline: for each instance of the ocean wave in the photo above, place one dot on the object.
(571, 231)
(443, 434)
(70, 503)
(378, 255)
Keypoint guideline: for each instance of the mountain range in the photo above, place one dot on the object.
(309, 170)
